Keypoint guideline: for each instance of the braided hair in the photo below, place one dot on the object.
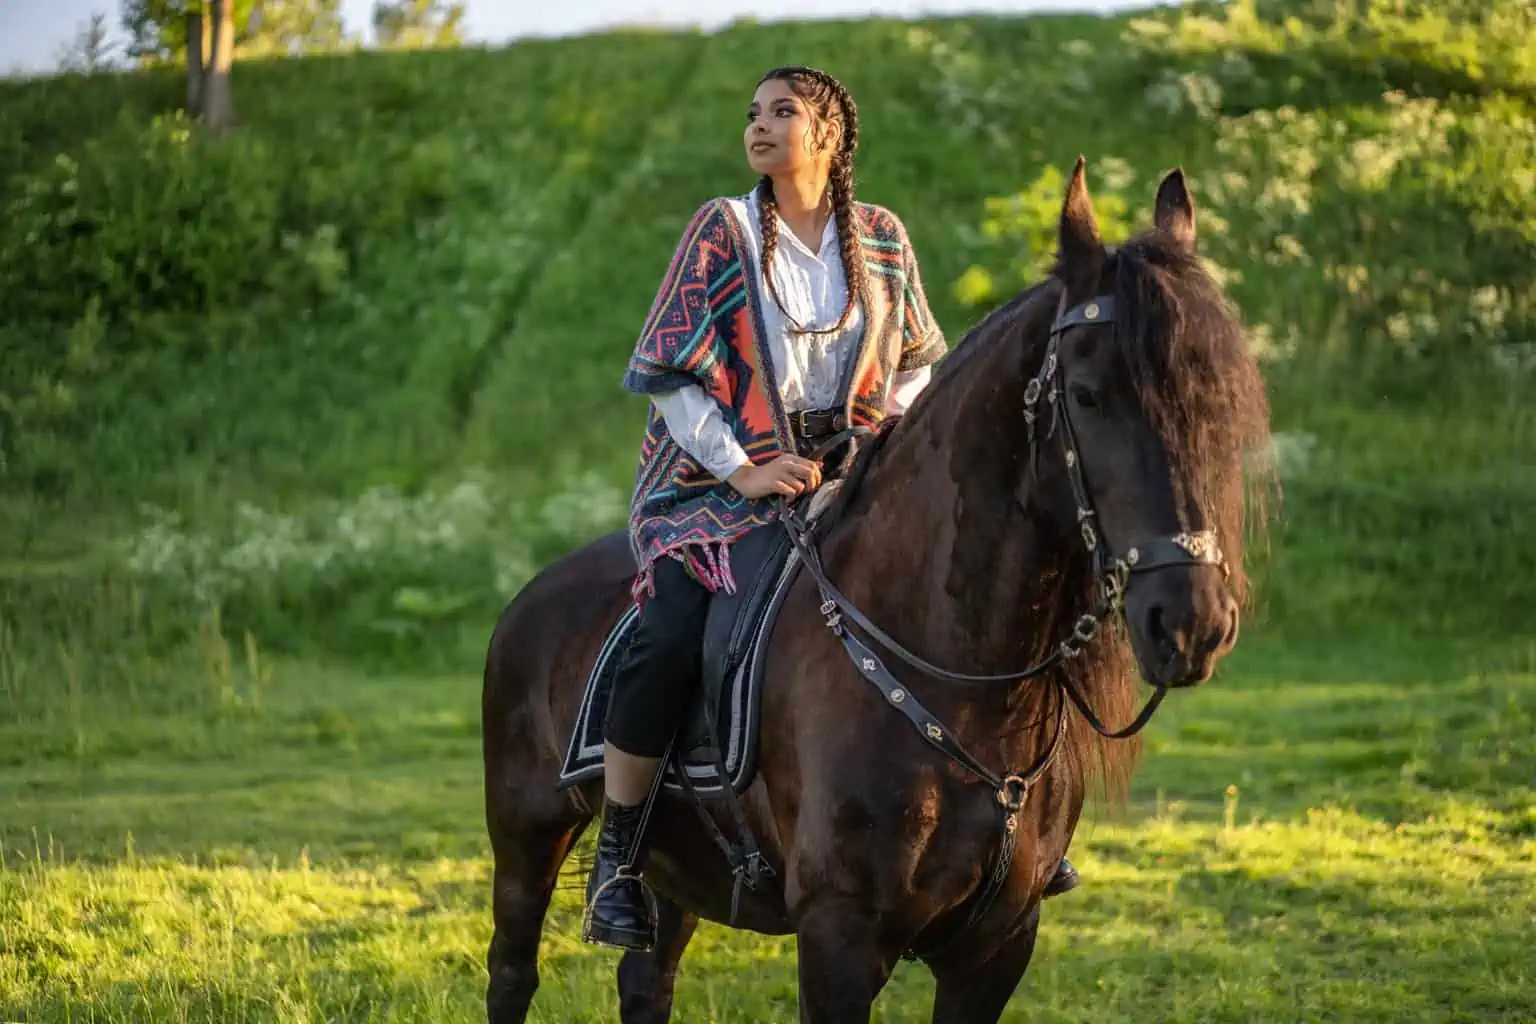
(830, 101)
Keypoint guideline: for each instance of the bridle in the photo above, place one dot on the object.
(1112, 574)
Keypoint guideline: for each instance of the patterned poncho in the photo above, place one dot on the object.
(705, 327)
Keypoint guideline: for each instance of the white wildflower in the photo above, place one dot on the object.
(1515, 359)
(1488, 310)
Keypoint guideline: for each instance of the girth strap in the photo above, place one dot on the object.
(748, 865)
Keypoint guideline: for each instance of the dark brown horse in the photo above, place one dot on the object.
(1080, 452)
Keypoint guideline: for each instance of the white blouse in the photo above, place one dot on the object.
(809, 368)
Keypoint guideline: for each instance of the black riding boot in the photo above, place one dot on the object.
(618, 910)
(1065, 880)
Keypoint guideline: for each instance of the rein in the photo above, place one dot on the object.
(1113, 575)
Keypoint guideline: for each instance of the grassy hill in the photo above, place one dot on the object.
(286, 416)
(424, 272)
(334, 385)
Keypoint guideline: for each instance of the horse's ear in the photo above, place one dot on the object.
(1175, 210)
(1081, 255)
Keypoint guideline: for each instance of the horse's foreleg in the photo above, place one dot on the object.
(843, 963)
(527, 867)
(971, 992)
(646, 980)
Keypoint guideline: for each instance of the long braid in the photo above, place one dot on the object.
(848, 237)
(768, 223)
(831, 99)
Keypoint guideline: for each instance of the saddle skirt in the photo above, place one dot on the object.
(736, 632)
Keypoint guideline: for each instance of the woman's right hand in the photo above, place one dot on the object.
(789, 475)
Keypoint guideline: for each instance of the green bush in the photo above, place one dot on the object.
(156, 222)
(1423, 47)
(1361, 194)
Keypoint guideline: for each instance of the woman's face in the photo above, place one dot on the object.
(782, 133)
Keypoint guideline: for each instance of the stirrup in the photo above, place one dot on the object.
(623, 873)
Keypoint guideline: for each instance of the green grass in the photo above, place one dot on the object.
(319, 856)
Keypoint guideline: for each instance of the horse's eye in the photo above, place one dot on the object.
(1084, 397)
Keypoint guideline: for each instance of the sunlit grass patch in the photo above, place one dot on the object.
(1329, 914)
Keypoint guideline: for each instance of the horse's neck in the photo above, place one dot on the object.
(940, 553)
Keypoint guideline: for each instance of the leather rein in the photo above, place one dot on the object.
(1113, 574)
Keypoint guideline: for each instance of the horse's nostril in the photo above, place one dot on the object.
(1233, 619)
(1157, 629)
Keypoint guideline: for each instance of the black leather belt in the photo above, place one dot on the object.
(810, 424)
(821, 434)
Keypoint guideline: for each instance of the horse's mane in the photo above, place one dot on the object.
(1201, 389)
(1189, 361)
(1188, 358)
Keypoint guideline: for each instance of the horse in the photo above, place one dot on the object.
(1071, 493)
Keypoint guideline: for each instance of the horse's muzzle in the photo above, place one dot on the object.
(1182, 622)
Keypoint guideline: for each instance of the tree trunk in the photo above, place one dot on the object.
(218, 109)
(197, 59)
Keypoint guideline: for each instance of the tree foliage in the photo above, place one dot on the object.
(90, 50)
(157, 29)
(293, 27)
(417, 24)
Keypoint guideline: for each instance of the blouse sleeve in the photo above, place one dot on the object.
(906, 385)
(694, 421)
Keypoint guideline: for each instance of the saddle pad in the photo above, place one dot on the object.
(739, 712)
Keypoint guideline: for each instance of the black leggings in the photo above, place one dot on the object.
(662, 665)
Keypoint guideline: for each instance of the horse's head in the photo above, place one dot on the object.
(1154, 399)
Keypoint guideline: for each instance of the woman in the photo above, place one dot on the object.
(786, 316)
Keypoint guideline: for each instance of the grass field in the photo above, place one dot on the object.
(318, 856)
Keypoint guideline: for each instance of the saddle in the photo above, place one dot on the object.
(730, 695)
(736, 632)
